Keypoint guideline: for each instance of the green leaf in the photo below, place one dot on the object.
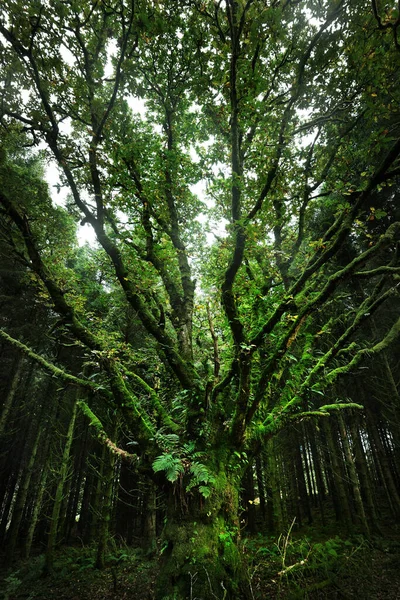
(205, 491)
(170, 464)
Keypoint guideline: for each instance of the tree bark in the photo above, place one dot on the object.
(393, 495)
(199, 551)
(364, 475)
(21, 498)
(343, 507)
(359, 505)
(106, 509)
(10, 396)
(63, 473)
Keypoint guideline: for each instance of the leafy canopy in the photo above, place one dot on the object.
(285, 114)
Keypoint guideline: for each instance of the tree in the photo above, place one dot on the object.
(288, 112)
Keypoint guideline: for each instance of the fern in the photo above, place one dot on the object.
(200, 475)
(200, 472)
(205, 491)
(167, 441)
(170, 464)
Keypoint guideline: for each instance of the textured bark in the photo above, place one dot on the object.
(21, 498)
(354, 482)
(342, 505)
(150, 517)
(200, 556)
(392, 493)
(303, 503)
(316, 462)
(364, 476)
(248, 496)
(260, 485)
(15, 381)
(35, 513)
(96, 496)
(106, 509)
(62, 477)
(272, 476)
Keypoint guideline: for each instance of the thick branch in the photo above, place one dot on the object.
(102, 435)
(48, 366)
(390, 337)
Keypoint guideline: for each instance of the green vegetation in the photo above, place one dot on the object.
(224, 359)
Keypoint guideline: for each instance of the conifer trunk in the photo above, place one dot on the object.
(275, 498)
(63, 473)
(393, 495)
(359, 505)
(364, 476)
(21, 498)
(10, 396)
(149, 517)
(35, 512)
(343, 508)
(106, 509)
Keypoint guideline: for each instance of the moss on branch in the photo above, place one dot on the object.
(102, 435)
(156, 402)
(390, 337)
(46, 365)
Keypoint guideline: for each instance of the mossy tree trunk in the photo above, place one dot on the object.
(149, 517)
(63, 474)
(21, 498)
(274, 497)
(354, 481)
(15, 382)
(106, 509)
(200, 556)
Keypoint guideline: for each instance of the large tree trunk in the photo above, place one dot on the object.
(200, 557)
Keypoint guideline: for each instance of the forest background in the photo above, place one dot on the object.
(223, 361)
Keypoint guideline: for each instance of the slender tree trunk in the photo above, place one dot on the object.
(275, 499)
(21, 498)
(12, 472)
(35, 512)
(343, 508)
(63, 474)
(248, 495)
(15, 382)
(78, 484)
(150, 517)
(38, 485)
(260, 485)
(316, 457)
(364, 476)
(106, 509)
(96, 496)
(307, 490)
(85, 517)
(392, 493)
(360, 512)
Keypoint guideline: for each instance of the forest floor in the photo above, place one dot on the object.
(292, 567)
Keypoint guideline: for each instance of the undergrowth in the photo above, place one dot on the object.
(288, 567)
(295, 568)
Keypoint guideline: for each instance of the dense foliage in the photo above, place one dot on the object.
(247, 234)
